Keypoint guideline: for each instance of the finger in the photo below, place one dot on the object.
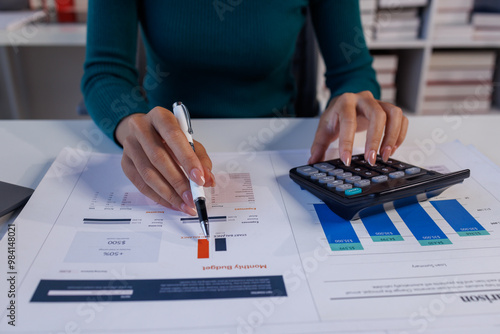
(156, 181)
(155, 152)
(392, 128)
(402, 134)
(326, 133)
(186, 195)
(210, 182)
(205, 160)
(166, 125)
(348, 125)
(131, 172)
(377, 117)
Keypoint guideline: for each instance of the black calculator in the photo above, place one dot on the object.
(362, 189)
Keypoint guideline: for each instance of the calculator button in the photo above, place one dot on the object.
(352, 179)
(307, 170)
(400, 165)
(343, 175)
(359, 170)
(334, 184)
(316, 176)
(352, 191)
(362, 183)
(367, 164)
(370, 173)
(324, 167)
(379, 179)
(385, 170)
(326, 179)
(397, 175)
(412, 170)
(336, 172)
(343, 187)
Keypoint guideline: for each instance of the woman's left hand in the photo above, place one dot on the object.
(348, 113)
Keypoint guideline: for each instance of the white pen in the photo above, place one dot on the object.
(182, 115)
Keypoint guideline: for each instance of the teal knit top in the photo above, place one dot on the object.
(222, 58)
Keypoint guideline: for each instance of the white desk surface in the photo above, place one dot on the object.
(28, 147)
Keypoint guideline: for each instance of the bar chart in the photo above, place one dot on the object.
(204, 247)
(421, 225)
(381, 228)
(342, 236)
(338, 231)
(459, 219)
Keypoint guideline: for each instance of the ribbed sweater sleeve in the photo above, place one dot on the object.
(238, 64)
(348, 62)
(109, 83)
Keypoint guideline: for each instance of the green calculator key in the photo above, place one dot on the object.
(353, 191)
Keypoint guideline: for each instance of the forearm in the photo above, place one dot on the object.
(348, 62)
(109, 83)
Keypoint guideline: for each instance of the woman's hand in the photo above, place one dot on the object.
(385, 124)
(154, 150)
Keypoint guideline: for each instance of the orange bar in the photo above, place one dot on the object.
(202, 249)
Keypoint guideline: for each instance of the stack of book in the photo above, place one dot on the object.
(386, 66)
(368, 9)
(398, 20)
(459, 83)
(452, 20)
(486, 20)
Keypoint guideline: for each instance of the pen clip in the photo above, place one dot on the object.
(187, 116)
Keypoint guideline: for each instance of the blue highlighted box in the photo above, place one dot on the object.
(380, 227)
(421, 225)
(338, 231)
(459, 218)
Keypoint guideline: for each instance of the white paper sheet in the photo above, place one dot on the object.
(88, 234)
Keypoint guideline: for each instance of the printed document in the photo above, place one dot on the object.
(95, 255)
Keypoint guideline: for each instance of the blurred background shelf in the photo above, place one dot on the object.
(444, 26)
(41, 64)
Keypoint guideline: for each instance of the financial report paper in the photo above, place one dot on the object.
(95, 255)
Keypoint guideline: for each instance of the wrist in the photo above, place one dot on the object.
(122, 130)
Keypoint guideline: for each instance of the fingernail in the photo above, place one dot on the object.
(187, 209)
(213, 178)
(197, 176)
(187, 196)
(312, 158)
(346, 158)
(372, 157)
(208, 172)
(394, 149)
(386, 153)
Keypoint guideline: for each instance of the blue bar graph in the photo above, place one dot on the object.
(380, 227)
(338, 231)
(421, 225)
(459, 218)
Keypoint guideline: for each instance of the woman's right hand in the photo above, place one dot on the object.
(154, 150)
